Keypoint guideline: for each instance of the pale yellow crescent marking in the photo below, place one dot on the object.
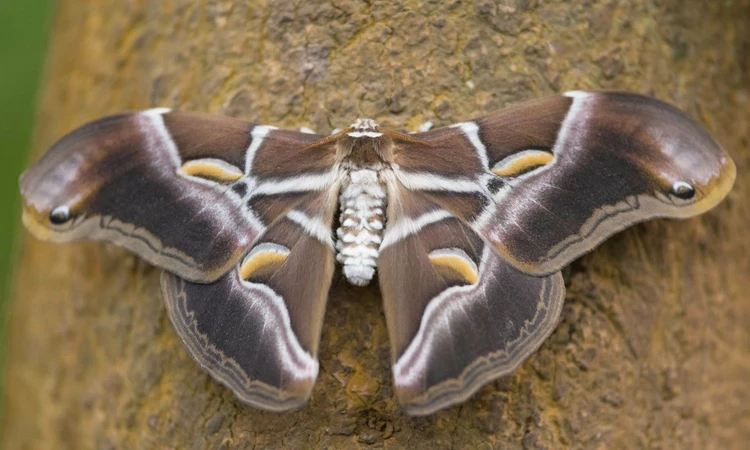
(457, 262)
(213, 169)
(521, 162)
(264, 257)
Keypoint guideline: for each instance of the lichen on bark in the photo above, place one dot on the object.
(652, 350)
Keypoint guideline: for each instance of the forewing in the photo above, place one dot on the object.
(173, 187)
(548, 180)
(257, 329)
(458, 314)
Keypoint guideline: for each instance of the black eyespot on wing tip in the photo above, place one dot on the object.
(60, 215)
(683, 190)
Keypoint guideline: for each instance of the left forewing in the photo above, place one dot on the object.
(187, 192)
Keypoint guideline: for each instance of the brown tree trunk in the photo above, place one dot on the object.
(653, 347)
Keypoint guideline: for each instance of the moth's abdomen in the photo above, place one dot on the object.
(362, 203)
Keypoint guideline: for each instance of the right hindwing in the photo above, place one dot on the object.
(458, 314)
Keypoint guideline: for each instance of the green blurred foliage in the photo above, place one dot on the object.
(24, 28)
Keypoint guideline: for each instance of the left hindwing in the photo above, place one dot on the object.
(458, 314)
(548, 180)
(257, 328)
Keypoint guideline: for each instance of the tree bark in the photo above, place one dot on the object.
(653, 349)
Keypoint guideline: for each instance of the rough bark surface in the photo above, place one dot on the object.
(653, 350)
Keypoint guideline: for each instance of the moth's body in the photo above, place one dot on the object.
(366, 156)
(468, 227)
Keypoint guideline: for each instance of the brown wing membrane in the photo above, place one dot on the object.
(173, 187)
(564, 173)
(458, 314)
(257, 329)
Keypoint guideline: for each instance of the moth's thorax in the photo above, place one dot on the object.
(365, 153)
(365, 145)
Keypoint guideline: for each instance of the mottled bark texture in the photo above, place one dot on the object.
(653, 347)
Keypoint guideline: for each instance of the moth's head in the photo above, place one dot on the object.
(364, 128)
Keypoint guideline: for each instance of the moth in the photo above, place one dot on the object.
(466, 226)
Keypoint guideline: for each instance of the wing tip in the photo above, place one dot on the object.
(716, 190)
(712, 193)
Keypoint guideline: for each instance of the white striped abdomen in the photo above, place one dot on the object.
(362, 202)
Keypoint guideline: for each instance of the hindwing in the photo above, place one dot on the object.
(458, 314)
(257, 328)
